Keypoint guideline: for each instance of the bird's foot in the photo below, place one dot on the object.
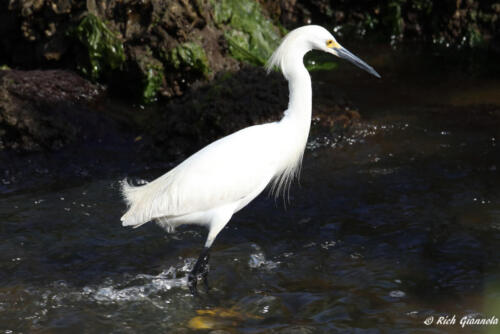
(201, 268)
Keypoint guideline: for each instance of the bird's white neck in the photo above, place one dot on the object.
(300, 100)
(296, 122)
(298, 114)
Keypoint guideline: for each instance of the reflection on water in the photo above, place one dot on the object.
(398, 222)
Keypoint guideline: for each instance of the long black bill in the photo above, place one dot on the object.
(343, 53)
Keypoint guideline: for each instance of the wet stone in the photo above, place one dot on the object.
(35, 109)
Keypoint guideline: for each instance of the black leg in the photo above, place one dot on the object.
(201, 267)
(205, 280)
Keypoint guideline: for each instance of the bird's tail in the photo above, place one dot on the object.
(132, 196)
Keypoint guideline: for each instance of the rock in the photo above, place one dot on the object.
(187, 57)
(251, 36)
(47, 110)
(232, 101)
(194, 40)
(35, 111)
(470, 23)
(104, 48)
(207, 112)
(150, 72)
(102, 39)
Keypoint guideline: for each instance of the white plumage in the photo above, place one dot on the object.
(207, 179)
(225, 175)
(222, 178)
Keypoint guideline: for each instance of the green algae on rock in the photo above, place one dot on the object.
(153, 79)
(151, 72)
(153, 82)
(251, 36)
(105, 49)
(189, 55)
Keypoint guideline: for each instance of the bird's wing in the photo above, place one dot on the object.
(223, 172)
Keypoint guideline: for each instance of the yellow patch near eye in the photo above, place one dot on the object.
(332, 44)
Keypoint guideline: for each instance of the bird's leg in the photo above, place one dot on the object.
(201, 267)
(205, 279)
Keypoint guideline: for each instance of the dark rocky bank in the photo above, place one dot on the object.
(190, 54)
(45, 110)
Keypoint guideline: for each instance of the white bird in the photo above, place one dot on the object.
(222, 178)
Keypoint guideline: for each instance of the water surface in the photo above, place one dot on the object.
(396, 222)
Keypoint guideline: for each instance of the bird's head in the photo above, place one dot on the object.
(306, 38)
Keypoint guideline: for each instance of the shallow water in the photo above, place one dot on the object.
(395, 223)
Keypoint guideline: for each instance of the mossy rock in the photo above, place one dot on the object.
(251, 36)
(152, 82)
(394, 19)
(189, 55)
(473, 36)
(151, 72)
(105, 49)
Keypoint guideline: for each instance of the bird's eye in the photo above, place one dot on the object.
(331, 43)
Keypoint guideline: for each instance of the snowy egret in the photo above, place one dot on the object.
(211, 185)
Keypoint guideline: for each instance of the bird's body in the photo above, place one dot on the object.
(222, 178)
(201, 190)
